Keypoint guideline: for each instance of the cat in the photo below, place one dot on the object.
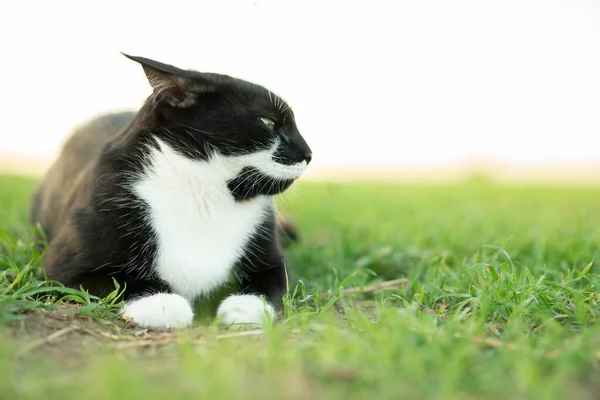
(175, 200)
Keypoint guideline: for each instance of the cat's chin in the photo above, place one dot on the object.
(250, 184)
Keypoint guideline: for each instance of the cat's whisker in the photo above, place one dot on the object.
(270, 96)
(242, 176)
(260, 183)
(200, 130)
(283, 198)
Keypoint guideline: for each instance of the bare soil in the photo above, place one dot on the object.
(62, 334)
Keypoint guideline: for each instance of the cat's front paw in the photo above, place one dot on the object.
(161, 310)
(245, 311)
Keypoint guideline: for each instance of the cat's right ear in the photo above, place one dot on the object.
(177, 87)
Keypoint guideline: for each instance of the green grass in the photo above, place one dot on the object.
(21, 267)
(501, 301)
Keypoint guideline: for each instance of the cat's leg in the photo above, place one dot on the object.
(78, 258)
(159, 310)
(262, 285)
(250, 311)
(148, 303)
(151, 304)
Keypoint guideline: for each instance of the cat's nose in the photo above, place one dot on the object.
(308, 157)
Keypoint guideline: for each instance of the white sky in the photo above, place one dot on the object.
(371, 82)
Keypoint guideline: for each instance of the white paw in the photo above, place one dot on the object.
(162, 310)
(245, 311)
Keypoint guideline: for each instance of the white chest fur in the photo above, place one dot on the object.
(201, 231)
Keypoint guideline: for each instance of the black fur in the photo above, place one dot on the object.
(105, 235)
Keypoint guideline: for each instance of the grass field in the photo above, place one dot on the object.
(497, 298)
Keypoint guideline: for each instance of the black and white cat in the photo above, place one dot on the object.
(178, 202)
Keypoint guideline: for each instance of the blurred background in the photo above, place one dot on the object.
(381, 89)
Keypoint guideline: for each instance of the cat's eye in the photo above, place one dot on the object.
(268, 122)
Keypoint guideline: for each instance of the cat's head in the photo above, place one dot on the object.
(245, 129)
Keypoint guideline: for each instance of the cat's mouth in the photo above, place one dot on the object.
(282, 172)
(263, 173)
(268, 164)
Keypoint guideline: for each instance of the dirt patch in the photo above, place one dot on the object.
(62, 333)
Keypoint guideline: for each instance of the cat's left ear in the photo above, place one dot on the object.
(175, 86)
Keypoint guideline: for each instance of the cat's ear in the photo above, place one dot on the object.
(177, 87)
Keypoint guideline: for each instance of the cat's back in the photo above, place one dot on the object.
(85, 142)
(66, 178)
